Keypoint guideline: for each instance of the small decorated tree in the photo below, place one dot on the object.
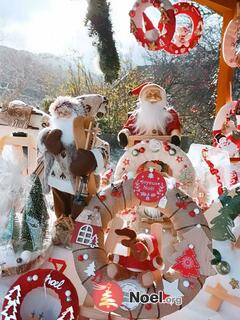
(222, 226)
(35, 218)
(12, 232)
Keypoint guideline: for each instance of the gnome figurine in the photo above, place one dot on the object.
(152, 116)
(63, 162)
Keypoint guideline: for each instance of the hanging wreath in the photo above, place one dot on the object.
(225, 132)
(142, 269)
(230, 53)
(184, 39)
(226, 136)
(48, 278)
(148, 36)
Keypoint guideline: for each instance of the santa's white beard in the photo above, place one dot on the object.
(152, 116)
(66, 126)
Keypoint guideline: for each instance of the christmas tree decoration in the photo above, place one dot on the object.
(12, 231)
(67, 315)
(35, 218)
(185, 39)
(204, 255)
(91, 269)
(187, 264)
(222, 227)
(107, 296)
(147, 35)
(41, 278)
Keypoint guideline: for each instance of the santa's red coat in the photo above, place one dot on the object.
(173, 124)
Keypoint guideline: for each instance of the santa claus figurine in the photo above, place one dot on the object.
(152, 116)
(62, 161)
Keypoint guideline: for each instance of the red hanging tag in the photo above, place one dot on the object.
(149, 186)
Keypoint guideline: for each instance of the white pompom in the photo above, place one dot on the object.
(26, 256)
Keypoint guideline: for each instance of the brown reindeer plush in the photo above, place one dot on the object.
(144, 259)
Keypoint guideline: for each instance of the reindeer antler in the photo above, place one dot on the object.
(131, 234)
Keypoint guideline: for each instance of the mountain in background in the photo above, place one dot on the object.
(29, 77)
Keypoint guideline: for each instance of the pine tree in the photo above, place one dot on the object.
(13, 298)
(12, 231)
(91, 269)
(187, 264)
(100, 28)
(35, 218)
(222, 226)
(67, 315)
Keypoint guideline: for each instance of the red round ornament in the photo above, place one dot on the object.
(149, 186)
(49, 278)
(184, 42)
(143, 29)
(107, 296)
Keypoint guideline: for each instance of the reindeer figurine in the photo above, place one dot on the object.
(144, 259)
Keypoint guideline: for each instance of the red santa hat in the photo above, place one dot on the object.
(136, 91)
(151, 34)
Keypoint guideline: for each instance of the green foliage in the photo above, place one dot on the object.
(222, 227)
(100, 28)
(223, 224)
(79, 82)
(35, 218)
(46, 104)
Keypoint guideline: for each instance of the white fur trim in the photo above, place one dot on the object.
(73, 102)
(100, 161)
(41, 146)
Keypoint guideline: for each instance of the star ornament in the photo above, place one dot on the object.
(171, 289)
(234, 284)
(126, 162)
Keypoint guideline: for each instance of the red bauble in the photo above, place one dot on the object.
(132, 13)
(194, 14)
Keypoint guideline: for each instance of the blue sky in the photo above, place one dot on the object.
(57, 27)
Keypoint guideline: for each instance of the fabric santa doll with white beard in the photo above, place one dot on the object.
(62, 161)
(152, 116)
